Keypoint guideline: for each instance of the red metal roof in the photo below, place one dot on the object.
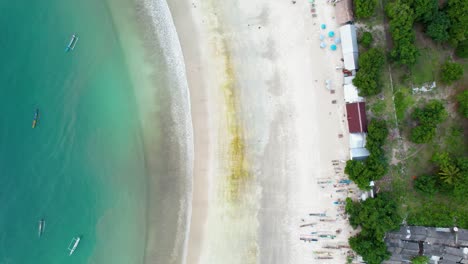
(357, 120)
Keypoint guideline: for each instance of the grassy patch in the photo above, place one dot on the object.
(403, 100)
(426, 66)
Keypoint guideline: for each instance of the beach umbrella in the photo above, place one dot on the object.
(323, 45)
(331, 34)
(337, 41)
(322, 37)
(333, 47)
(323, 26)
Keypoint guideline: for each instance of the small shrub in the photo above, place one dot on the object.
(366, 39)
(426, 184)
(462, 99)
(462, 49)
(451, 72)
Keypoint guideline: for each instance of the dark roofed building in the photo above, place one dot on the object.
(357, 120)
(441, 245)
(344, 12)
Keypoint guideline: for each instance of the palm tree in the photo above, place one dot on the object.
(449, 174)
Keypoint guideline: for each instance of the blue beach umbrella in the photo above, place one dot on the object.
(323, 45)
(323, 26)
(333, 47)
(331, 34)
(322, 37)
(337, 41)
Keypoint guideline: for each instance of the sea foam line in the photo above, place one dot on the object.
(165, 29)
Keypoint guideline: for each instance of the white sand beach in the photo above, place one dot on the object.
(265, 130)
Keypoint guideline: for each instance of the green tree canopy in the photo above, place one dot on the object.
(462, 99)
(456, 11)
(428, 118)
(367, 79)
(438, 27)
(364, 8)
(426, 184)
(432, 113)
(424, 10)
(366, 39)
(401, 28)
(451, 72)
(422, 134)
(462, 49)
(372, 251)
(375, 216)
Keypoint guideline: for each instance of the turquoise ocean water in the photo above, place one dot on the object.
(83, 168)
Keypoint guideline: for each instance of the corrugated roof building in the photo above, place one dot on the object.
(344, 12)
(441, 245)
(357, 120)
(349, 47)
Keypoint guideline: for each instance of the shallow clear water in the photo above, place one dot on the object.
(82, 168)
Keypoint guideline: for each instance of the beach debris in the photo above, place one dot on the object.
(327, 236)
(324, 257)
(333, 102)
(310, 224)
(324, 181)
(318, 214)
(308, 239)
(327, 220)
(339, 201)
(318, 252)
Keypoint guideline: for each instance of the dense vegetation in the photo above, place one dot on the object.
(451, 72)
(456, 11)
(428, 117)
(364, 8)
(375, 166)
(462, 99)
(451, 177)
(367, 79)
(366, 39)
(431, 179)
(462, 49)
(401, 28)
(375, 217)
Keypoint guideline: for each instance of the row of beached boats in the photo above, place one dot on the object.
(73, 244)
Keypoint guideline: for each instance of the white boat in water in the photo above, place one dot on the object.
(73, 245)
(41, 227)
(71, 45)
